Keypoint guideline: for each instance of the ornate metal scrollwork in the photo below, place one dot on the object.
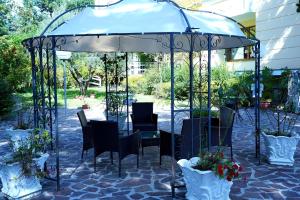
(215, 41)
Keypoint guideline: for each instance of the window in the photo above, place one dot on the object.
(243, 53)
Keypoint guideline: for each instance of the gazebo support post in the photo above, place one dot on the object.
(42, 82)
(191, 89)
(49, 97)
(55, 113)
(127, 101)
(172, 112)
(257, 99)
(106, 86)
(116, 85)
(209, 39)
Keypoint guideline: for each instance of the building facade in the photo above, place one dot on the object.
(276, 23)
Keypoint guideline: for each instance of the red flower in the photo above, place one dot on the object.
(235, 166)
(229, 178)
(220, 170)
(236, 174)
(225, 166)
(222, 155)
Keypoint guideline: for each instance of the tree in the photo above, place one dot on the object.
(6, 17)
(47, 6)
(83, 67)
(14, 63)
(73, 4)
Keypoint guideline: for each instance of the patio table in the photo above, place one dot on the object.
(149, 138)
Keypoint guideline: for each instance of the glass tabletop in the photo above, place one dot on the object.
(149, 134)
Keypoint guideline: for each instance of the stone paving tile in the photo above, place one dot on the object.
(151, 181)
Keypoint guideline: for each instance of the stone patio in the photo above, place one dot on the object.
(151, 181)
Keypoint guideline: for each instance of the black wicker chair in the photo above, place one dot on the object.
(142, 117)
(186, 145)
(87, 137)
(221, 128)
(106, 138)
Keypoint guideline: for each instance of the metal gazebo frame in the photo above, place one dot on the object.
(44, 74)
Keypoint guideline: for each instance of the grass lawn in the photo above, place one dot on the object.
(72, 97)
(73, 100)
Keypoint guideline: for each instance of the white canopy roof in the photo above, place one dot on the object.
(145, 26)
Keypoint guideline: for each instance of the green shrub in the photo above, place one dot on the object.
(204, 113)
(6, 100)
(275, 87)
(163, 90)
(135, 84)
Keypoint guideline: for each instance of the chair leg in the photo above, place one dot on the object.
(119, 167)
(137, 161)
(173, 190)
(82, 154)
(142, 151)
(159, 160)
(94, 163)
(111, 157)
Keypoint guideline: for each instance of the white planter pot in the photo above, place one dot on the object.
(15, 184)
(17, 136)
(280, 149)
(203, 184)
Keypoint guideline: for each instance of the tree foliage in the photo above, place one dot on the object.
(77, 3)
(6, 101)
(83, 67)
(14, 63)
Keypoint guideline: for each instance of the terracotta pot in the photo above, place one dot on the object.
(265, 105)
(85, 106)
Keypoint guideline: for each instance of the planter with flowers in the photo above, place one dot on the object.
(209, 176)
(20, 171)
(279, 137)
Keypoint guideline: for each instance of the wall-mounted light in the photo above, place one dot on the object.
(298, 5)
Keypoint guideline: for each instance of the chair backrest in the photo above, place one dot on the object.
(222, 136)
(193, 131)
(227, 116)
(105, 135)
(142, 111)
(82, 118)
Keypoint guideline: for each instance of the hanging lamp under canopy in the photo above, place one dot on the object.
(143, 26)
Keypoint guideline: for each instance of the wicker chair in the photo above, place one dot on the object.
(221, 128)
(186, 145)
(143, 118)
(106, 138)
(87, 137)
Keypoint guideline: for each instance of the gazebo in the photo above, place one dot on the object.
(133, 26)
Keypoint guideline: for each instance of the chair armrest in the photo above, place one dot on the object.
(154, 118)
(166, 144)
(132, 117)
(129, 145)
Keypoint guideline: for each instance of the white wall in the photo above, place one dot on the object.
(278, 28)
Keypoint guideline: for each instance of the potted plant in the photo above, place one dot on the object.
(20, 171)
(264, 104)
(280, 139)
(85, 105)
(209, 176)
